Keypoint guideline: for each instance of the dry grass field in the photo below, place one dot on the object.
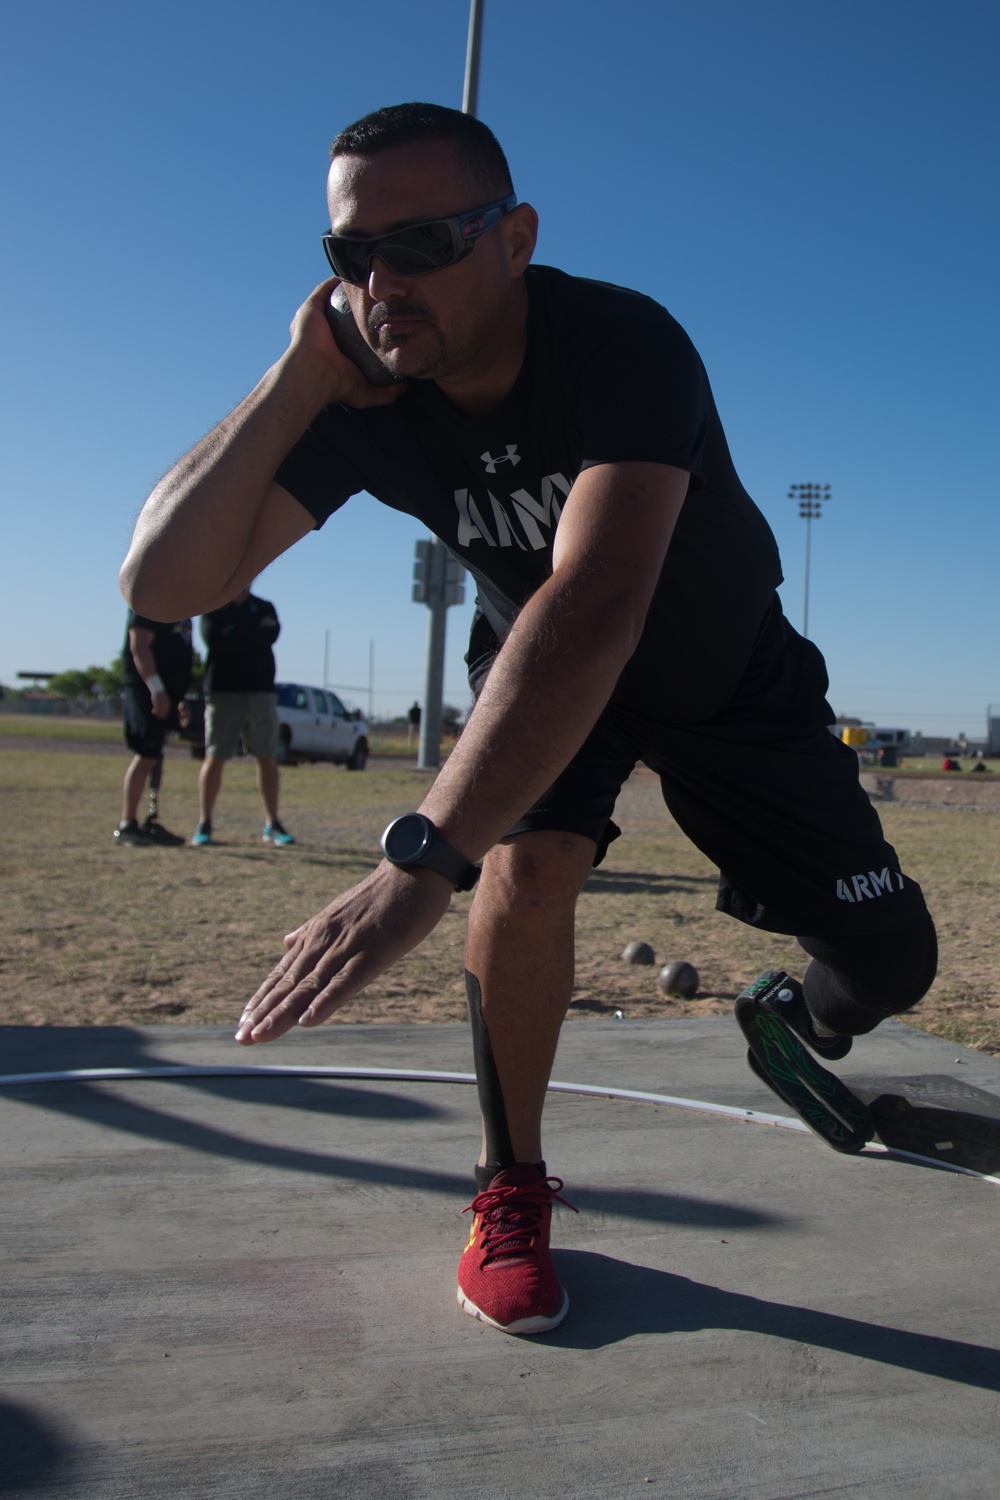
(91, 934)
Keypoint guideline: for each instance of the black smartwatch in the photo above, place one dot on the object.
(413, 840)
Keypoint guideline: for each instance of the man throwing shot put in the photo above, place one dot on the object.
(561, 437)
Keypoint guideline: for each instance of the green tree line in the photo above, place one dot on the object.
(88, 687)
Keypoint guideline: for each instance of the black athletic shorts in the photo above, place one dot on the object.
(145, 734)
(762, 788)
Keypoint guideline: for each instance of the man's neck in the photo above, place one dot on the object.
(484, 389)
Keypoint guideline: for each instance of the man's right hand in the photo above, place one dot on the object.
(310, 333)
(161, 705)
(218, 518)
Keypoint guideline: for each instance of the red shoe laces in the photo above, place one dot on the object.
(511, 1216)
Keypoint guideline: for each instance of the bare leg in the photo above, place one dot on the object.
(268, 777)
(520, 950)
(209, 782)
(135, 781)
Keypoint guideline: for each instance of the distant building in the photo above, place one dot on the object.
(862, 734)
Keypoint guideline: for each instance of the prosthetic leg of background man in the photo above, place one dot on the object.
(142, 769)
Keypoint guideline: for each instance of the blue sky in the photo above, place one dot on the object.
(811, 188)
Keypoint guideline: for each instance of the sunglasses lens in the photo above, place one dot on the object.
(424, 247)
(408, 252)
(347, 258)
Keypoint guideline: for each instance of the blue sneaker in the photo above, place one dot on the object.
(274, 833)
(202, 835)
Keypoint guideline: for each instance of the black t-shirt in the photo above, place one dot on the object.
(608, 376)
(171, 648)
(239, 637)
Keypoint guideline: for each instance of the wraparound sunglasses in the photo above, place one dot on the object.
(417, 248)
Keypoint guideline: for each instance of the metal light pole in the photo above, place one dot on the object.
(437, 582)
(437, 575)
(470, 94)
(811, 498)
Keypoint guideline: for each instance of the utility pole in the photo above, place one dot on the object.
(437, 576)
(437, 582)
(811, 498)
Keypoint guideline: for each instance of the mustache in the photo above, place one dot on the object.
(406, 307)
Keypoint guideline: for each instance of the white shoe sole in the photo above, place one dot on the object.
(537, 1324)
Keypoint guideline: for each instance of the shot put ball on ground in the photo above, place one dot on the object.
(638, 953)
(679, 979)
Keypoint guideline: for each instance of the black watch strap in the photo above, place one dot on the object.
(412, 841)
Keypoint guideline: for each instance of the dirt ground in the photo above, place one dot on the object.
(92, 934)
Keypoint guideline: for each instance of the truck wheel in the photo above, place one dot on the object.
(284, 756)
(358, 756)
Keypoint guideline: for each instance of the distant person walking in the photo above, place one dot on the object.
(240, 700)
(156, 668)
(413, 724)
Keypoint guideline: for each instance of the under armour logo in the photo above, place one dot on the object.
(511, 457)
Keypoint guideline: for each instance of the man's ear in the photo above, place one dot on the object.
(521, 226)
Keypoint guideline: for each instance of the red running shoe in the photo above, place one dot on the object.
(506, 1276)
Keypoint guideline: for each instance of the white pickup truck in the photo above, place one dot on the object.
(315, 725)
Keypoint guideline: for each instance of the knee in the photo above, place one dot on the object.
(867, 978)
(906, 966)
(536, 873)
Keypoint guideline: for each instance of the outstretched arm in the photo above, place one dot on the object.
(545, 692)
(217, 518)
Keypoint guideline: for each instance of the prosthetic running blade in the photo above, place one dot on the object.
(778, 1058)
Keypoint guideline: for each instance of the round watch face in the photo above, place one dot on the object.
(406, 839)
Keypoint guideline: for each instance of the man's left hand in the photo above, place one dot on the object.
(344, 947)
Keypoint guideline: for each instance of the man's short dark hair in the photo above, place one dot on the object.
(479, 151)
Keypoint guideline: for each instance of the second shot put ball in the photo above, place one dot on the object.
(679, 979)
(638, 953)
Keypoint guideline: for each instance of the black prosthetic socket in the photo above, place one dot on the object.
(853, 983)
(499, 1151)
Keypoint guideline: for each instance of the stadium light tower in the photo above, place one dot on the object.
(811, 499)
(437, 576)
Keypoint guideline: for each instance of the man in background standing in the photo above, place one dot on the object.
(156, 668)
(240, 700)
(413, 725)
